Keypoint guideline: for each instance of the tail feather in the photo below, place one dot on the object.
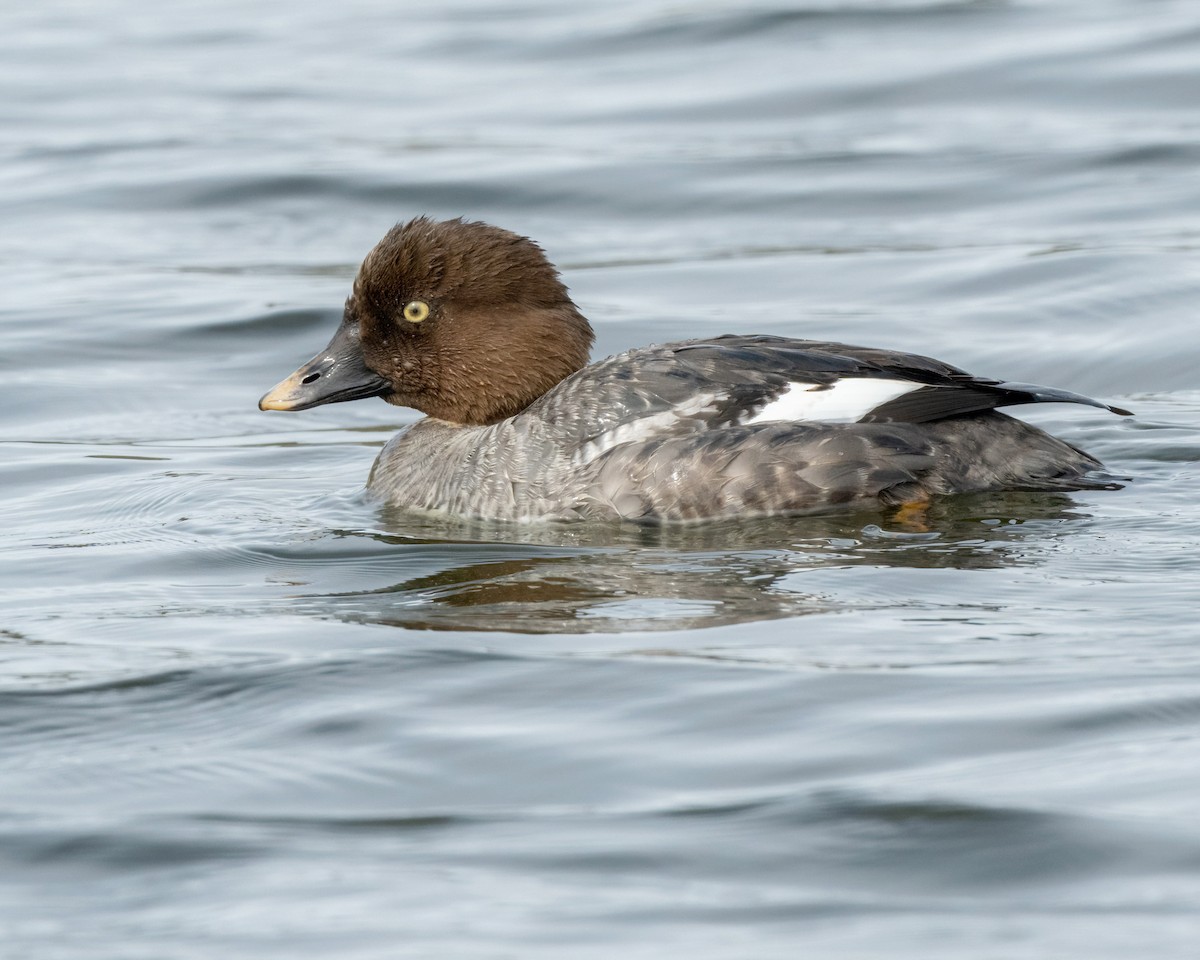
(1037, 394)
(937, 402)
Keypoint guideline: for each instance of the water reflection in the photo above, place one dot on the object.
(575, 579)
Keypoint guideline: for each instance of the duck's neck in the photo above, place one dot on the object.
(476, 384)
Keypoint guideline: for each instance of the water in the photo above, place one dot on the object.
(248, 713)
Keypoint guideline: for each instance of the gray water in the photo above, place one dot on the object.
(248, 713)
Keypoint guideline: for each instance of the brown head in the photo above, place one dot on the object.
(463, 321)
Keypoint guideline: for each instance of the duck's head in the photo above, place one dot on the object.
(463, 321)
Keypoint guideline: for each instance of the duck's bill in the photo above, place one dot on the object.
(334, 375)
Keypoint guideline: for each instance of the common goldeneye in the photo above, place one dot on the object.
(471, 325)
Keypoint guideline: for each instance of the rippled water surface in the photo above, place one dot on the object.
(248, 713)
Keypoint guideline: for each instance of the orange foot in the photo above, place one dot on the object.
(913, 515)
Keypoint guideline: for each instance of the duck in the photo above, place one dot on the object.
(472, 325)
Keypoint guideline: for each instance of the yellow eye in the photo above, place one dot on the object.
(415, 311)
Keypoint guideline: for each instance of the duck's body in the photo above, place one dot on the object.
(470, 324)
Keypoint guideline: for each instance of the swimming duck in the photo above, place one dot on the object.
(471, 325)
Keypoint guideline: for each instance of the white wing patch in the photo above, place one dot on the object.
(847, 401)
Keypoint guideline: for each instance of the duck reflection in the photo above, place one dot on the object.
(575, 579)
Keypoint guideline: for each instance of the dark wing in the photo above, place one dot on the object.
(686, 388)
(940, 402)
(947, 391)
